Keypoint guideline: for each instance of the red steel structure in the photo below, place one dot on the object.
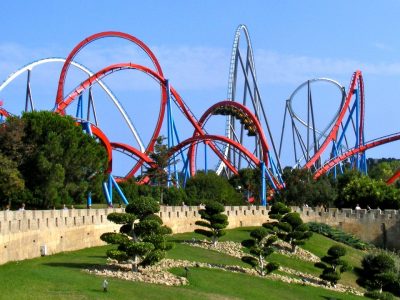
(228, 148)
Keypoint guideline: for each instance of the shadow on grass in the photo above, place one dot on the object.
(70, 265)
(245, 229)
(330, 298)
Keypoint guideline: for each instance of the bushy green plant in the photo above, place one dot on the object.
(142, 237)
(260, 246)
(289, 226)
(336, 265)
(379, 295)
(210, 186)
(48, 160)
(213, 220)
(379, 272)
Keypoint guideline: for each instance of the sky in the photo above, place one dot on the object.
(293, 41)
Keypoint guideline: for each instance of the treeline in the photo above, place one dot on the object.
(47, 160)
(199, 189)
(347, 190)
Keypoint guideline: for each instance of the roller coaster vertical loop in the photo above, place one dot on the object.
(244, 64)
(143, 46)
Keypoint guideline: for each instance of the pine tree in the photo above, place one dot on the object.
(260, 246)
(337, 266)
(289, 226)
(142, 237)
(214, 221)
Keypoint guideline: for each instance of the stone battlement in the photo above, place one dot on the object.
(348, 213)
(182, 218)
(381, 228)
(23, 234)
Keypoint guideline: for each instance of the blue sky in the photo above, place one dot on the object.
(293, 41)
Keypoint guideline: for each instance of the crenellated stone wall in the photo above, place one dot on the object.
(23, 233)
(182, 218)
(381, 228)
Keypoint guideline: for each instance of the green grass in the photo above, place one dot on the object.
(190, 253)
(236, 235)
(319, 245)
(60, 276)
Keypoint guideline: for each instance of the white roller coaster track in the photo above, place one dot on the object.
(113, 98)
(232, 84)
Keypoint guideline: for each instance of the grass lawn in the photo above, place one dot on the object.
(190, 253)
(319, 245)
(60, 277)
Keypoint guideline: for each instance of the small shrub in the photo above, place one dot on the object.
(272, 266)
(379, 295)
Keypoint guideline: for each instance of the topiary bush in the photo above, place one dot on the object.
(289, 226)
(379, 295)
(336, 265)
(260, 245)
(142, 237)
(379, 272)
(213, 221)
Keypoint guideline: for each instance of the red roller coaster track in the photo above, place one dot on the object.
(200, 135)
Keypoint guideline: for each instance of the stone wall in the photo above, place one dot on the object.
(381, 228)
(23, 233)
(182, 218)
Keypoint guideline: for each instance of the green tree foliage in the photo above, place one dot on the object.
(175, 196)
(133, 190)
(142, 237)
(248, 182)
(213, 220)
(300, 188)
(336, 265)
(12, 184)
(289, 226)
(210, 186)
(158, 173)
(379, 295)
(57, 160)
(342, 181)
(379, 272)
(382, 169)
(366, 191)
(260, 246)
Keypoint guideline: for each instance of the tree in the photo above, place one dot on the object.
(379, 271)
(158, 172)
(58, 162)
(332, 273)
(142, 237)
(210, 186)
(174, 196)
(214, 221)
(382, 168)
(260, 246)
(289, 226)
(300, 188)
(366, 191)
(247, 181)
(12, 184)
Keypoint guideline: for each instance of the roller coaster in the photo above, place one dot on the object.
(247, 141)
